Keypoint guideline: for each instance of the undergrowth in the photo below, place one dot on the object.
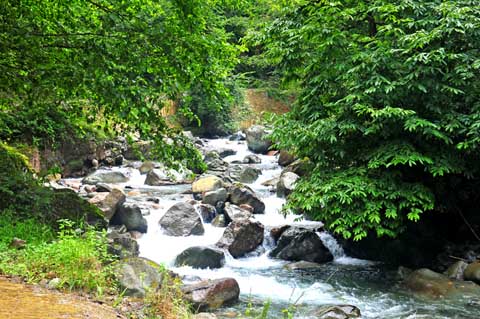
(77, 256)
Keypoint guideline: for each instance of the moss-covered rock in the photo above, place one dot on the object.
(66, 204)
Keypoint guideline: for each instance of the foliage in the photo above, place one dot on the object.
(389, 113)
(123, 60)
(77, 258)
(168, 302)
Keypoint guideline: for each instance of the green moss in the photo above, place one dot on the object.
(75, 165)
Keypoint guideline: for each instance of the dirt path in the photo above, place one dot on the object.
(19, 301)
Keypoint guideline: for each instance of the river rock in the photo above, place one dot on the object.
(240, 194)
(130, 215)
(137, 275)
(472, 272)
(204, 315)
(109, 202)
(276, 232)
(103, 188)
(285, 158)
(224, 152)
(239, 136)
(233, 213)
(428, 283)
(207, 184)
(146, 167)
(299, 244)
(243, 174)
(338, 312)
(219, 221)
(252, 159)
(201, 257)
(137, 150)
(456, 270)
(207, 212)
(109, 177)
(302, 265)
(122, 245)
(164, 176)
(212, 294)
(213, 197)
(241, 237)
(182, 219)
(286, 184)
(257, 139)
(300, 167)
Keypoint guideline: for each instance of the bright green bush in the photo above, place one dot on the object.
(389, 111)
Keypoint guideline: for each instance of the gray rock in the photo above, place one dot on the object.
(54, 283)
(212, 294)
(109, 202)
(182, 219)
(207, 184)
(338, 312)
(243, 174)
(286, 184)
(130, 215)
(109, 177)
(302, 265)
(201, 257)
(213, 197)
(122, 245)
(137, 275)
(207, 212)
(241, 237)
(299, 244)
(164, 176)
(240, 194)
(239, 136)
(252, 159)
(204, 315)
(234, 213)
(224, 152)
(103, 188)
(257, 139)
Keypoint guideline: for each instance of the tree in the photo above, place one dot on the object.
(389, 111)
(120, 59)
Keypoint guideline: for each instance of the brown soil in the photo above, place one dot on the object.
(20, 301)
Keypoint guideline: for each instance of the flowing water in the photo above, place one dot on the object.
(369, 286)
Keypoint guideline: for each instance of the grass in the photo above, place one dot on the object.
(77, 257)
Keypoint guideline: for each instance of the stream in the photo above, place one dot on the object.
(370, 286)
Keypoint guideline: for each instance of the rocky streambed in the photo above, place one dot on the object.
(224, 235)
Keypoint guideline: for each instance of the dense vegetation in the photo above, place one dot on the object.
(388, 113)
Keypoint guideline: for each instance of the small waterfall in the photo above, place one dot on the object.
(331, 243)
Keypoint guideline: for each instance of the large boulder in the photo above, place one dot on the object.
(130, 215)
(428, 283)
(219, 221)
(207, 184)
(257, 139)
(243, 174)
(138, 275)
(300, 167)
(146, 167)
(240, 194)
(201, 257)
(241, 237)
(207, 212)
(286, 184)
(472, 272)
(182, 219)
(296, 244)
(137, 150)
(224, 152)
(212, 294)
(338, 312)
(109, 202)
(122, 245)
(213, 197)
(251, 159)
(234, 213)
(109, 177)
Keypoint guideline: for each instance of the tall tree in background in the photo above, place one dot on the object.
(389, 111)
(121, 59)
